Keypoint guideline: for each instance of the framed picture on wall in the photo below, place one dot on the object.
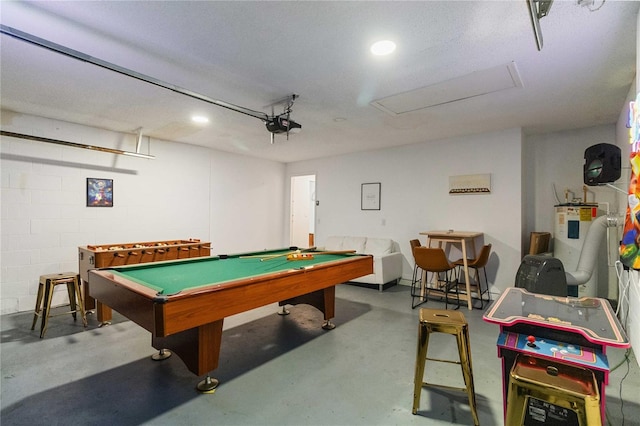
(370, 196)
(99, 192)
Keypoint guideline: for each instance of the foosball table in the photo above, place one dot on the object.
(109, 255)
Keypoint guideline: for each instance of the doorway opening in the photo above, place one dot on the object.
(303, 211)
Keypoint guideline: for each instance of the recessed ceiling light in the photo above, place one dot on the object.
(383, 47)
(199, 119)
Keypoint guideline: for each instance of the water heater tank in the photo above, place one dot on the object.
(572, 221)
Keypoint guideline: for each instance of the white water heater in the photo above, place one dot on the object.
(572, 221)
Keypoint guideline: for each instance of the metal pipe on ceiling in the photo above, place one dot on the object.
(76, 145)
(30, 38)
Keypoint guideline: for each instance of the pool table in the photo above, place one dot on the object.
(183, 303)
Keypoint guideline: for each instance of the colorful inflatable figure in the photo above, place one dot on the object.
(629, 254)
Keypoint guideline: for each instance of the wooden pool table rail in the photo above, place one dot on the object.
(190, 323)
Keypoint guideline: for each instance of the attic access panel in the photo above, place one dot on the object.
(464, 87)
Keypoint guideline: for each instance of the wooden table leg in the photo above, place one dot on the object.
(466, 273)
(89, 302)
(104, 313)
(199, 347)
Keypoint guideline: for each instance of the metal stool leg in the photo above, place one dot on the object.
(48, 296)
(38, 310)
(421, 359)
(71, 291)
(467, 370)
(80, 301)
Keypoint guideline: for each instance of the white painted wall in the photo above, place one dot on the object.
(415, 195)
(557, 160)
(247, 203)
(186, 192)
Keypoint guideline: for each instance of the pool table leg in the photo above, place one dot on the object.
(208, 385)
(161, 355)
(199, 349)
(283, 311)
(328, 325)
(324, 300)
(329, 307)
(104, 313)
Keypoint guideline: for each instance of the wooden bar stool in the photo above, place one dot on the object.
(449, 322)
(45, 295)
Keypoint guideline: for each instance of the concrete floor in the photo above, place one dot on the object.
(273, 371)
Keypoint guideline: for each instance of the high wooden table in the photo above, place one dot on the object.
(466, 241)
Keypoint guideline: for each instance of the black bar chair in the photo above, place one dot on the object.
(443, 280)
(475, 265)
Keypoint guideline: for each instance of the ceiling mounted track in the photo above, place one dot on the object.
(79, 145)
(538, 9)
(29, 38)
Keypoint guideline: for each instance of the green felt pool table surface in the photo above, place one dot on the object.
(173, 277)
(183, 303)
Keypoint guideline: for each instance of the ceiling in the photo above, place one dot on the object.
(253, 54)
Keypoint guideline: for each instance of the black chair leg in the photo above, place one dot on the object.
(486, 283)
(446, 290)
(416, 289)
(455, 281)
(451, 279)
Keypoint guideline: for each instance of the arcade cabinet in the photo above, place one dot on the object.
(548, 346)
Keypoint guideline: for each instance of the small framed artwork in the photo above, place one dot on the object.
(99, 192)
(370, 196)
(470, 184)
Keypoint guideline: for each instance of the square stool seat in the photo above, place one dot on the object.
(449, 322)
(45, 296)
(542, 391)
